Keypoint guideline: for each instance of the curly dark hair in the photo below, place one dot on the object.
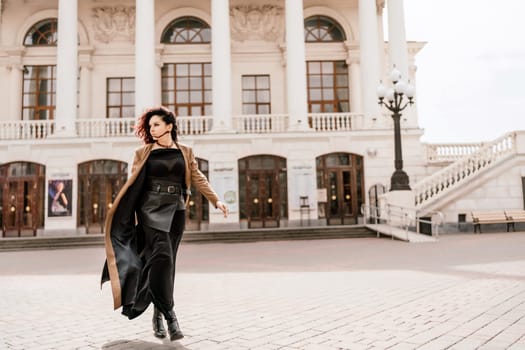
(142, 127)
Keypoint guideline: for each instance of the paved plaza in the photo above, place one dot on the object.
(464, 292)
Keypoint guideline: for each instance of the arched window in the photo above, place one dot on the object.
(42, 33)
(186, 30)
(322, 29)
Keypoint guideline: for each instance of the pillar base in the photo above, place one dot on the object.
(399, 181)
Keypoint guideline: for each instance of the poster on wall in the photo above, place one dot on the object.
(59, 195)
(225, 185)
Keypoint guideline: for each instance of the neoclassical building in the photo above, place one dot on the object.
(277, 98)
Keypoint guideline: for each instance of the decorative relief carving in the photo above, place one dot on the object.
(114, 23)
(252, 22)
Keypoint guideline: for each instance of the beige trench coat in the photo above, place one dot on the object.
(193, 177)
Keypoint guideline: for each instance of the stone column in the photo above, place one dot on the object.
(145, 68)
(397, 43)
(15, 67)
(296, 66)
(355, 86)
(398, 52)
(368, 40)
(86, 68)
(67, 68)
(221, 66)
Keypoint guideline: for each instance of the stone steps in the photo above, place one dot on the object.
(232, 236)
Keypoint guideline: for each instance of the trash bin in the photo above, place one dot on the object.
(425, 227)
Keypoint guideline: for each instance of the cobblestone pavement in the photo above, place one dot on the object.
(464, 292)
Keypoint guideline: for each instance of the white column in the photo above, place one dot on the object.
(67, 68)
(397, 43)
(398, 52)
(296, 66)
(368, 39)
(221, 66)
(355, 88)
(145, 68)
(15, 93)
(85, 93)
(14, 87)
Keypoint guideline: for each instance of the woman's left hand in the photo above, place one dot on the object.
(220, 205)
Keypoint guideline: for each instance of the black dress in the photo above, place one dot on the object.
(161, 217)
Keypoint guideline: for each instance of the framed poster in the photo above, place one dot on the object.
(59, 195)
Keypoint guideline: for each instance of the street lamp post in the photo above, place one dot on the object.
(396, 103)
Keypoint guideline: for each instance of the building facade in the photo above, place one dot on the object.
(277, 98)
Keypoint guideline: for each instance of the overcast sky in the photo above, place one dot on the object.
(471, 73)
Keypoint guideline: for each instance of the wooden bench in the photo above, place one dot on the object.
(489, 217)
(514, 216)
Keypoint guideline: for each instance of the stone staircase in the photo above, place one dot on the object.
(231, 236)
(432, 190)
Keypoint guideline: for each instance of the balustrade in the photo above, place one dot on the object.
(457, 173)
(108, 127)
(450, 152)
(260, 123)
(332, 121)
(187, 125)
(26, 129)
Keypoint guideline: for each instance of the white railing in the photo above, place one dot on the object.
(260, 123)
(403, 218)
(437, 153)
(334, 121)
(107, 127)
(187, 125)
(194, 125)
(457, 173)
(26, 129)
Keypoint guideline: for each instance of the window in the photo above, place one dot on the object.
(322, 29)
(186, 30)
(327, 87)
(256, 94)
(39, 89)
(120, 98)
(186, 88)
(43, 33)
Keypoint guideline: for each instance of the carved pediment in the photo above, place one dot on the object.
(253, 22)
(114, 23)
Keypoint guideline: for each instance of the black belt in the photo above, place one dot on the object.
(166, 188)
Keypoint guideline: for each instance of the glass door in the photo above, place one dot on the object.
(263, 200)
(21, 199)
(263, 190)
(340, 174)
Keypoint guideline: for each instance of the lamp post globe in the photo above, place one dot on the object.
(396, 99)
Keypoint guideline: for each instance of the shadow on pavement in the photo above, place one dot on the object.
(142, 345)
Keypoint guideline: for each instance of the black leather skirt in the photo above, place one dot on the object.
(158, 204)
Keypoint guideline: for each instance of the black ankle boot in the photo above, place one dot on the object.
(173, 326)
(158, 326)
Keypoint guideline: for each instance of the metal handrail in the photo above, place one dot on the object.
(404, 217)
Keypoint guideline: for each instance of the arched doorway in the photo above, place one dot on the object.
(341, 175)
(99, 182)
(198, 210)
(22, 198)
(263, 190)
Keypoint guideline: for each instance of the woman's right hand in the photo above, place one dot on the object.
(222, 207)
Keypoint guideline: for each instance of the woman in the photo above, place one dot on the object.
(145, 223)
